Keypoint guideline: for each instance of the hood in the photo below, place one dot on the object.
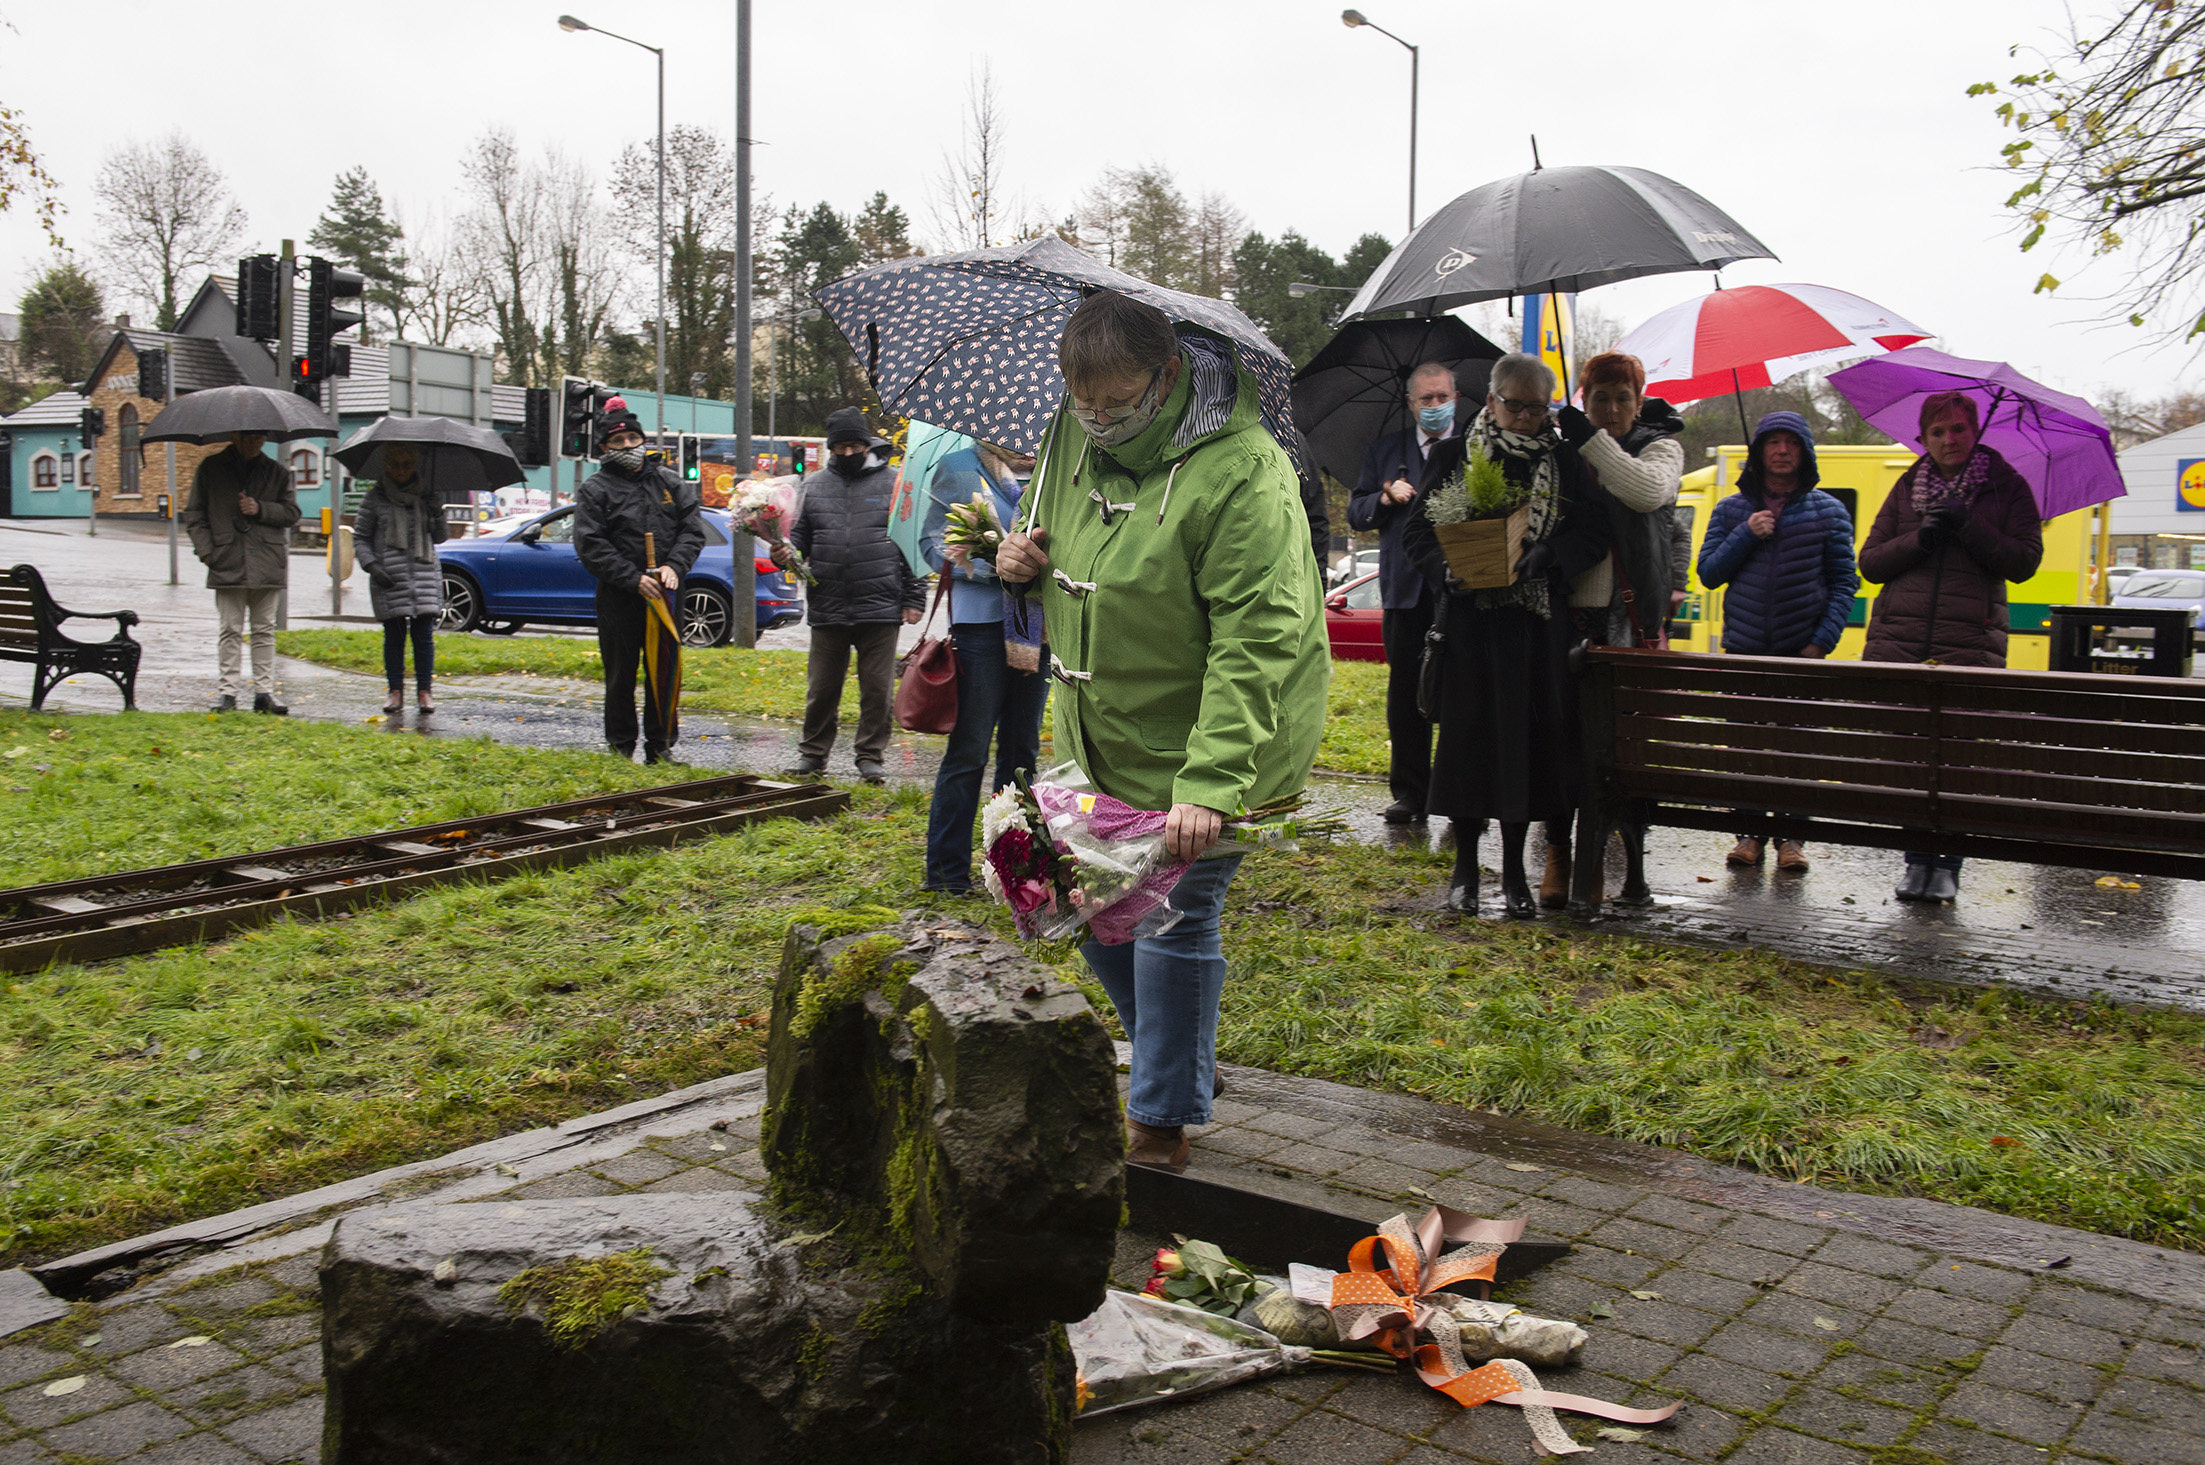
(1810, 472)
(1656, 420)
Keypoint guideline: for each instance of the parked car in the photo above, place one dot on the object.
(2163, 590)
(1354, 623)
(529, 575)
(1348, 566)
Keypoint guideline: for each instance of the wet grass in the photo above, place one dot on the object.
(771, 683)
(145, 1091)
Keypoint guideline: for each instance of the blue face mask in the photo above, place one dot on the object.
(1436, 420)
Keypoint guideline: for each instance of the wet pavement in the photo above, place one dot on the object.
(2042, 928)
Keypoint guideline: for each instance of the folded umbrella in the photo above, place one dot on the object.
(455, 459)
(2056, 441)
(968, 341)
(214, 414)
(1355, 390)
(661, 652)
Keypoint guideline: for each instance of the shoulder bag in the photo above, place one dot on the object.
(926, 676)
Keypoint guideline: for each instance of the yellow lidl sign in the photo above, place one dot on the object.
(2189, 485)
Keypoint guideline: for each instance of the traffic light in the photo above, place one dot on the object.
(260, 297)
(90, 424)
(692, 457)
(577, 400)
(325, 286)
(153, 374)
(532, 444)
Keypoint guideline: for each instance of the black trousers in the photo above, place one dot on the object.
(423, 632)
(620, 627)
(1409, 762)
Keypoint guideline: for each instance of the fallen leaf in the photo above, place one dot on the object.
(1647, 1296)
(2004, 1140)
(1617, 1434)
(505, 1168)
(806, 1238)
(1420, 1190)
(15, 752)
(195, 1054)
(1707, 879)
(196, 1340)
(719, 1149)
(1600, 1309)
(89, 1340)
(61, 735)
(1826, 1324)
(59, 1387)
(1527, 1169)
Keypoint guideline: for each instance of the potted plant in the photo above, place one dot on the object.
(1480, 519)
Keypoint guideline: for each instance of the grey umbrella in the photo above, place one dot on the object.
(214, 413)
(455, 459)
(1553, 229)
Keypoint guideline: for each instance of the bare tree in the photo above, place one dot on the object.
(702, 212)
(169, 215)
(971, 206)
(585, 271)
(2110, 138)
(1099, 220)
(2138, 420)
(502, 238)
(441, 302)
(1217, 230)
(22, 173)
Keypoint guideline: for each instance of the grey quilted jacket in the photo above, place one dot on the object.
(400, 582)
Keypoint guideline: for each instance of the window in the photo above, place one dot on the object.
(84, 469)
(712, 534)
(2164, 587)
(559, 529)
(44, 471)
(305, 468)
(1364, 596)
(130, 453)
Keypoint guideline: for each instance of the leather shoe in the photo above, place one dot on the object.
(262, 702)
(1401, 811)
(1554, 885)
(803, 769)
(1944, 884)
(1789, 856)
(661, 755)
(871, 772)
(1168, 1149)
(1462, 898)
(227, 704)
(1516, 899)
(1747, 851)
(1916, 884)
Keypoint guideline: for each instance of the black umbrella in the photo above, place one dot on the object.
(969, 341)
(454, 459)
(1553, 229)
(1356, 388)
(213, 414)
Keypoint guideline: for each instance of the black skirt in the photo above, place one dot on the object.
(1508, 728)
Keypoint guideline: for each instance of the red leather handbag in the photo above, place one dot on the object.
(926, 677)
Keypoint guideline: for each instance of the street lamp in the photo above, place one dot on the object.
(569, 24)
(1303, 289)
(1354, 19)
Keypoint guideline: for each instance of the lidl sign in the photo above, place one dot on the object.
(2189, 485)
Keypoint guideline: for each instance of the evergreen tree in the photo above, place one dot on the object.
(356, 231)
(882, 231)
(817, 370)
(64, 324)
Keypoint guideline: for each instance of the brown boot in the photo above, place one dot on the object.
(1746, 852)
(1168, 1148)
(1789, 856)
(1554, 886)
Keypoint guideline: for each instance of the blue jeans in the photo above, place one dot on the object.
(993, 702)
(1166, 990)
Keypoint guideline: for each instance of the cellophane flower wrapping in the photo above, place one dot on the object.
(1138, 1349)
(972, 531)
(1062, 856)
(766, 507)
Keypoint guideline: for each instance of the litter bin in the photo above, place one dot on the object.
(2077, 646)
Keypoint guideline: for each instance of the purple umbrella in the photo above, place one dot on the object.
(2057, 442)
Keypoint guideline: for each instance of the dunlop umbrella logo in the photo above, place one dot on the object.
(1453, 260)
(1719, 236)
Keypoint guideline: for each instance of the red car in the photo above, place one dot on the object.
(1354, 622)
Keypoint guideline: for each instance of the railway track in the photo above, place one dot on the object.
(104, 916)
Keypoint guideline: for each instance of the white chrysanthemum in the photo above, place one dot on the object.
(1002, 812)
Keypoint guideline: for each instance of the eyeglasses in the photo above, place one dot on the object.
(1510, 404)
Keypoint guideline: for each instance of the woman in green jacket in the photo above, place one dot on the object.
(1167, 548)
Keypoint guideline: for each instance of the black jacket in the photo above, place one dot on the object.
(1396, 455)
(613, 512)
(842, 529)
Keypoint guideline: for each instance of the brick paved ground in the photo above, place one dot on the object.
(1795, 1343)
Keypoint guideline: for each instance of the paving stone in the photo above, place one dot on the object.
(697, 1181)
(274, 1334)
(287, 1432)
(1321, 1435)
(1145, 1437)
(1462, 1195)
(2178, 1325)
(1422, 1154)
(1862, 1254)
(1645, 1238)
(299, 1273)
(1556, 1294)
(746, 1166)
(1286, 1126)
(701, 1148)
(1667, 1322)
(1782, 1447)
(21, 1361)
(1383, 1177)
(2148, 1401)
(2109, 1437)
(1878, 1378)
(239, 1295)
(1227, 1110)
(560, 1187)
(2064, 1339)
(1804, 1316)
(1853, 1421)
(1727, 1385)
(1847, 1289)
(1769, 1234)
(305, 1363)
(1239, 1418)
(1906, 1343)
(1683, 1215)
(30, 1407)
(1603, 1265)
(168, 1368)
(1313, 1159)
(1383, 1401)
(637, 1167)
(1696, 1432)
(1483, 1433)
(1248, 1144)
(1313, 1387)
(1624, 1356)
(1704, 1290)
(1971, 1279)
(1544, 1217)
(1963, 1315)
(2092, 1308)
(212, 1400)
(1957, 1445)
(1746, 1263)
(2154, 1360)
(197, 1449)
(122, 1431)
(2034, 1373)
(2039, 1421)
(1592, 1195)
(127, 1329)
(1743, 1343)
(27, 1451)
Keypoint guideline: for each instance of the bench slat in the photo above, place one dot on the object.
(1824, 742)
(2082, 823)
(2133, 737)
(1714, 676)
(2128, 699)
(1848, 716)
(1978, 846)
(1749, 791)
(2113, 793)
(2072, 762)
(1687, 757)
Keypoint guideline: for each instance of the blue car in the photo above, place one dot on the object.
(530, 575)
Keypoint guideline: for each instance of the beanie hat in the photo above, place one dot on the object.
(617, 417)
(848, 425)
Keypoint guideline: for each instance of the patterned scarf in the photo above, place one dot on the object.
(408, 506)
(1545, 500)
(1932, 490)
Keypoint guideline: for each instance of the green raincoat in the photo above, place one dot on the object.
(1203, 640)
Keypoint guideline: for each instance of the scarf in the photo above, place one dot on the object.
(406, 500)
(1537, 450)
(1932, 490)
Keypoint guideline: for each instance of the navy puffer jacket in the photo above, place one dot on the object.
(1793, 589)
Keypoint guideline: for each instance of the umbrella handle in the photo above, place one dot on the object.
(650, 552)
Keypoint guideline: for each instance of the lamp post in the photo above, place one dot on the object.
(1354, 19)
(1303, 289)
(569, 23)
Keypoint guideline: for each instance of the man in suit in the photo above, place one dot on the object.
(1385, 492)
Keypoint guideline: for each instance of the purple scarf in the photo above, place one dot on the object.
(1932, 490)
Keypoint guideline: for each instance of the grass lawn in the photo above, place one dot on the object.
(771, 683)
(151, 1089)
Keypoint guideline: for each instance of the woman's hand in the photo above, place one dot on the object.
(1190, 829)
(1022, 558)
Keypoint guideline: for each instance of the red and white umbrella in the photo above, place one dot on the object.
(1755, 335)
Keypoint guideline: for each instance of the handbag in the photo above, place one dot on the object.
(926, 676)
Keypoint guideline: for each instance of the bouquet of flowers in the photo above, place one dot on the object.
(1141, 1349)
(767, 509)
(972, 531)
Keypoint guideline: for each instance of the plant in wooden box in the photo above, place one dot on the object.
(1480, 519)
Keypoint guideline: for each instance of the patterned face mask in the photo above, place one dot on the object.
(625, 460)
(1131, 423)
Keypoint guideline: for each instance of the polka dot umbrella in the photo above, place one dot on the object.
(969, 340)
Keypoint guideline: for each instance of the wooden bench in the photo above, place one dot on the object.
(30, 630)
(2051, 768)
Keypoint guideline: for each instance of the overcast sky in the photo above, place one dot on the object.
(1839, 133)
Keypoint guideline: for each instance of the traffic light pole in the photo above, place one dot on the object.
(746, 568)
(167, 397)
(286, 295)
(330, 470)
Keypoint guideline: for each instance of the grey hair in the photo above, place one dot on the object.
(1112, 336)
(1430, 368)
(1521, 369)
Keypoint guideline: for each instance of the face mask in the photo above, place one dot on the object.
(1131, 423)
(1436, 420)
(849, 465)
(625, 460)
